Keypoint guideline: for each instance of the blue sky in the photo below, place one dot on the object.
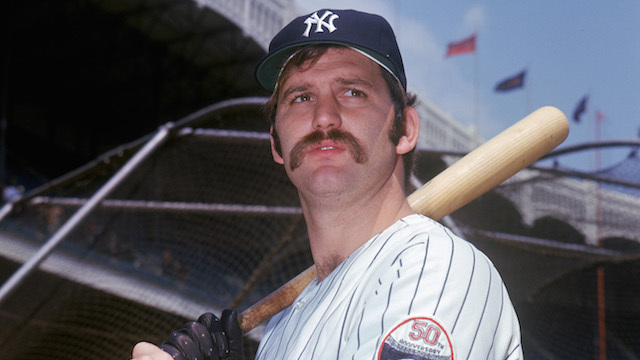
(570, 48)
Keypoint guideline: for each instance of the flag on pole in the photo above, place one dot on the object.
(511, 83)
(461, 47)
(581, 108)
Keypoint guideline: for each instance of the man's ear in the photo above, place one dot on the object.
(276, 157)
(409, 140)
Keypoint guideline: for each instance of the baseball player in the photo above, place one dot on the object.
(391, 284)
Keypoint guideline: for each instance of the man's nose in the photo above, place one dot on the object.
(327, 114)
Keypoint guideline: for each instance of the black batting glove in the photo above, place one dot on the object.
(209, 338)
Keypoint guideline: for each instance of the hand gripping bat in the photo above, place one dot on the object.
(479, 171)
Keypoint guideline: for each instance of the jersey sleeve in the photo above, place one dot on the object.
(438, 297)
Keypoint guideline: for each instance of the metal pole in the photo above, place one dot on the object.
(79, 215)
(5, 210)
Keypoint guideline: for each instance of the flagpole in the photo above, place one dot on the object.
(600, 273)
(476, 95)
(466, 46)
(528, 88)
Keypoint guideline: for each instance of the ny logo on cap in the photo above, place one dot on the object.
(319, 21)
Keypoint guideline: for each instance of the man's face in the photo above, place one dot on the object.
(333, 119)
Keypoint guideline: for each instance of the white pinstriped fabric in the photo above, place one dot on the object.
(415, 269)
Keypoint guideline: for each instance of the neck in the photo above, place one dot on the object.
(338, 227)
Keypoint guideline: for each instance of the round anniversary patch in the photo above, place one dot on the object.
(418, 338)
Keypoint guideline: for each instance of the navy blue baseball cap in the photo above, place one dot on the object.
(369, 34)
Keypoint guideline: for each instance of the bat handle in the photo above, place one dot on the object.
(274, 303)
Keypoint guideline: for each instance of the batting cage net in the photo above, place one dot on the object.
(197, 217)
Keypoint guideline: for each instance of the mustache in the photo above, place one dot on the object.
(336, 135)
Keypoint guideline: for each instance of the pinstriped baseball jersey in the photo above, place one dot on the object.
(414, 291)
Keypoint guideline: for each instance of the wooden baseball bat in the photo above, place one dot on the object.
(479, 171)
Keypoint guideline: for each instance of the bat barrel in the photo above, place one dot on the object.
(493, 162)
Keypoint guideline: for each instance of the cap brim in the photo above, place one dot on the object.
(268, 71)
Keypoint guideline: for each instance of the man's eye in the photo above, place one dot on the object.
(354, 92)
(301, 98)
